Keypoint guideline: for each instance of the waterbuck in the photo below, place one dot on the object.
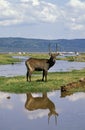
(34, 64)
(35, 103)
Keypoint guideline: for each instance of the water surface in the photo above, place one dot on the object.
(16, 113)
(20, 68)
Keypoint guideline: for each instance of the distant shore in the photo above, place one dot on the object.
(7, 58)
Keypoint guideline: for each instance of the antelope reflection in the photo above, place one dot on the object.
(34, 103)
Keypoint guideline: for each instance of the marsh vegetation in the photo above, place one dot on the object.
(18, 84)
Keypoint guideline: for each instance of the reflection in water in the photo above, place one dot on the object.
(76, 96)
(8, 97)
(34, 103)
(17, 113)
(72, 96)
(66, 93)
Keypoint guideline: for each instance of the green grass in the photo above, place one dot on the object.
(55, 81)
(7, 59)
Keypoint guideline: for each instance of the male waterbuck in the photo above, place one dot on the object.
(34, 103)
(34, 64)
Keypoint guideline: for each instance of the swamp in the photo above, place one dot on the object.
(20, 101)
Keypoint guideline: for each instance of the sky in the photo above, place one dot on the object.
(42, 19)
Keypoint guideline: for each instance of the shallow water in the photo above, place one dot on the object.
(20, 68)
(16, 113)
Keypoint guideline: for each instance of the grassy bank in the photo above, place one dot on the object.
(8, 59)
(79, 58)
(55, 80)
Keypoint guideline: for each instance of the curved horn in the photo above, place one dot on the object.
(49, 48)
(56, 47)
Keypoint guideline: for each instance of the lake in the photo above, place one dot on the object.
(20, 68)
(18, 113)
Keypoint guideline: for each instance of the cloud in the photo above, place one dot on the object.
(40, 11)
(75, 16)
(36, 114)
(33, 2)
(76, 97)
(8, 14)
(27, 11)
(70, 15)
(78, 4)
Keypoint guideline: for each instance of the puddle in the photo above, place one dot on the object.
(31, 110)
